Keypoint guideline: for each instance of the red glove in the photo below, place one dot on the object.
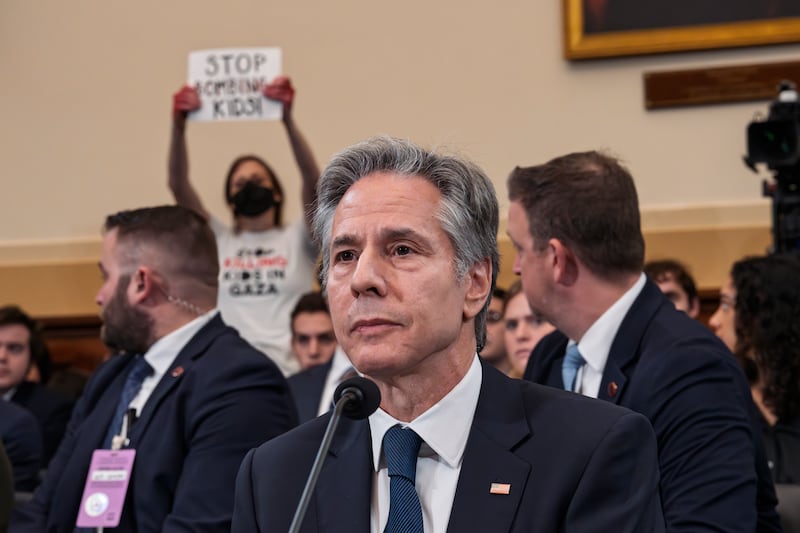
(281, 89)
(184, 101)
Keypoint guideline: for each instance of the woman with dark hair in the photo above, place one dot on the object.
(524, 330)
(265, 266)
(758, 320)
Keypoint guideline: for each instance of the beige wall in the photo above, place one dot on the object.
(86, 101)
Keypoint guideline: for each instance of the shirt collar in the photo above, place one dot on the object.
(340, 364)
(164, 351)
(444, 428)
(596, 342)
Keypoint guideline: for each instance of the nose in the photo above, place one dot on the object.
(516, 267)
(313, 346)
(522, 331)
(713, 322)
(368, 274)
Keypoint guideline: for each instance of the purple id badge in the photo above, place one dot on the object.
(106, 485)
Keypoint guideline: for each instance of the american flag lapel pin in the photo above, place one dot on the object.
(500, 488)
(177, 372)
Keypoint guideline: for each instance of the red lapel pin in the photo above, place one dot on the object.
(177, 371)
(612, 389)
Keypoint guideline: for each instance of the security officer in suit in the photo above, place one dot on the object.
(200, 395)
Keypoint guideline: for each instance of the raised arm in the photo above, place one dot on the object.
(183, 101)
(281, 89)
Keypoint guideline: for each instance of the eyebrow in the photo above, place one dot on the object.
(344, 240)
(390, 234)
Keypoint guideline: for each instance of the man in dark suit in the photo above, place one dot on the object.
(22, 438)
(323, 364)
(409, 250)
(313, 340)
(6, 489)
(203, 398)
(313, 388)
(574, 222)
(22, 346)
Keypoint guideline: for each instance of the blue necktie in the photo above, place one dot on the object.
(139, 371)
(569, 368)
(401, 447)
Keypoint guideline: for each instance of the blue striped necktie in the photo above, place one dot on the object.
(140, 369)
(401, 447)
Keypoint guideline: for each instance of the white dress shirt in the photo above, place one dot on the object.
(596, 342)
(340, 365)
(162, 353)
(444, 429)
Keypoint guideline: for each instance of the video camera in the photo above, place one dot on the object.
(775, 142)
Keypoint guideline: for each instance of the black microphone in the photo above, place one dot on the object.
(361, 396)
(355, 398)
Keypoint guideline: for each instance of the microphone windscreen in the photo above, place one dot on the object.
(364, 397)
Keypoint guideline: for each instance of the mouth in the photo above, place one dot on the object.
(372, 326)
(522, 353)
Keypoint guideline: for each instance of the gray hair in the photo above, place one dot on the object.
(468, 213)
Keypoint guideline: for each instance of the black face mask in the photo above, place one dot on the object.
(252, 200)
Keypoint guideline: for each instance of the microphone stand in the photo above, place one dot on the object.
(305, 499)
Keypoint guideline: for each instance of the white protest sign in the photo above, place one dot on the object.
(230, 80)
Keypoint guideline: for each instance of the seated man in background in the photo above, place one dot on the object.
(313, 341)
(22, 439)
(494, 352)
(409, 251)
(674, 280)
(21, 347)
(313, 388)
(314, 344)
(6, 489)
(201, 395)
(575, 224)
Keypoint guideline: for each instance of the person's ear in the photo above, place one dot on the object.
(565, 263)
(694, 308)
(141, 285)
(479, 283)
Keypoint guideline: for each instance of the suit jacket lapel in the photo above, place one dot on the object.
(349, 464)
(196, 347)
(105, 395)
(499, 426)
(625, 348)
(544, 366)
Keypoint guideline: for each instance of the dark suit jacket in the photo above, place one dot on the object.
(51, 410)
(573, 465)
(670, 368)
(219, 398)
(306, 387)
(6, 489)
(22, 439)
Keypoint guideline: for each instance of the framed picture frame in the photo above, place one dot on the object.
(613, 28)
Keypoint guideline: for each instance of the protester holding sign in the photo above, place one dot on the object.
(264, 266)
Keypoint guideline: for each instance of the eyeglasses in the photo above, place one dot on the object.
(493, 317)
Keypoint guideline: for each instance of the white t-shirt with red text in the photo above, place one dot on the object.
(262, 275)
